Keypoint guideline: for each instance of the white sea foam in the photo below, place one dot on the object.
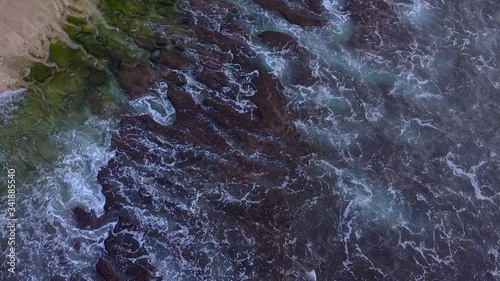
(157, 106)
(311, 275)
(78, 167)
(49, 231)
(8, 103)
(470, 175)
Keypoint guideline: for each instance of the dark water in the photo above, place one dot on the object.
(274, 140)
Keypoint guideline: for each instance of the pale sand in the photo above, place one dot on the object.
(26, 29)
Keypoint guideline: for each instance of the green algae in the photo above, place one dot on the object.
(77, 20)
(62, 55)
(129, 17)
(77, 81)
(40, 72)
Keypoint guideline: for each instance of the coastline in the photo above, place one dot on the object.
(26, 29)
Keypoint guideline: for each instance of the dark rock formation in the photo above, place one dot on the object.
(233, 189)
(315, 6)
(106, 269)
(376, 23)
(210, 145)
(301, 17)
(300, 71)
(138, 80)
(85, 219)
(174, 60)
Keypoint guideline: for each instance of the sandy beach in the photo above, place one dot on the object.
(25, 26)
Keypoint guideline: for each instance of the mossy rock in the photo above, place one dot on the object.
(111, 45)
(82, 84)
(166, 2)
(40, 72)
(76, 20)
(72, 30)
(96, 78)
(129, 8)
(63, 55)
(46, 150)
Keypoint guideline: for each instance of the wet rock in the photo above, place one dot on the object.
(182, 101)
(271, 103)
(146, 43)
(174, 59)
(224, 42)
(85, 220)
(302, 17)
(300, 71)
(315, 6)
(243, 184)
(281, 40)
(106, 269)
(123, 245)
(175, 80)
(300, 74)
(376, 22)
(213, 154)
(96, 78)
(40, 72)
(106, 177)
(214, 79)
(228, 116)
(137, 81)
(125, 259)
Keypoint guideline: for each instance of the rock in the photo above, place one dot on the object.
(106, 269)
(281, 40)
(137, 81)
(376, 20)
(123, 245)
(175, 80)
(96, 78)
(299, 57)
(302, 17)
(226, 115)
(145, 43)
(214, 79)
(212, 154)
(181, 100)
(174, 59)
(315, 6)
(271, 104)
(85, 220)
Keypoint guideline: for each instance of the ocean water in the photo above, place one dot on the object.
(364, 147)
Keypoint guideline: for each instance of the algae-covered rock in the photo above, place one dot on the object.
(77, 20)
(63, 55)
(40, 72)
(139, 19)
(46, 150)
(80, 75)
(96, 78)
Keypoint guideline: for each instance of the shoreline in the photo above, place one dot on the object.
(26, 29)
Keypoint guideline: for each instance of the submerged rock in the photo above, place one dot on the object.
(106, 269)
(300, 72)
(174, 60)
(212, 145)
(301, 17)
(139, 80)
(331, 174)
